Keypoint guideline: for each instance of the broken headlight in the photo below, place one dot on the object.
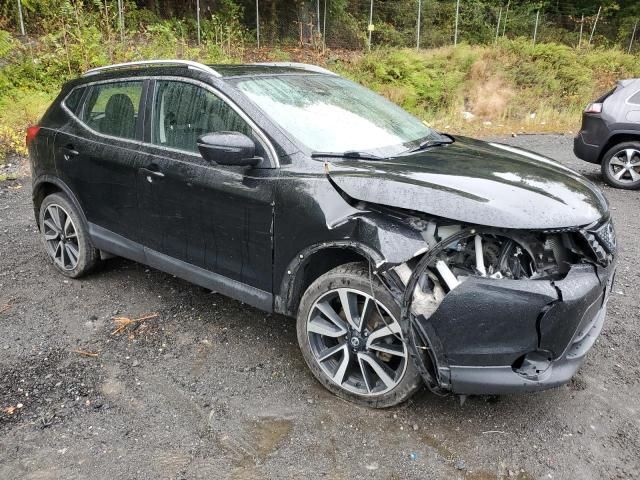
(601, 241)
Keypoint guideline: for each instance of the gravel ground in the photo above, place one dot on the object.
(212, 388)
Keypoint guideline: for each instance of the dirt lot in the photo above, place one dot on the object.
(212, 388)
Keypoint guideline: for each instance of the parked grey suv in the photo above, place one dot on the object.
(610, 135)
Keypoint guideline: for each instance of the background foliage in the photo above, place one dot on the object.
(502, 82)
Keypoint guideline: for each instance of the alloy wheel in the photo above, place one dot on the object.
(624, 166)
(61, 237)
(357, 342)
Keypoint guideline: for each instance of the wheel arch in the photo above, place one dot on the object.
(46, 185)
(617, 138)
(313, 262)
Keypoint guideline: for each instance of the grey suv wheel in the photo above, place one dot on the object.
(350, 336)
(621, 166)
(65, 237)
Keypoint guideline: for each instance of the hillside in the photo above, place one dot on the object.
(512, 86)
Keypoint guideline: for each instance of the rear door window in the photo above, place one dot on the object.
(182, 112)
(112, 108)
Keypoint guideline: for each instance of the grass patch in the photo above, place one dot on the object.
(512, 86)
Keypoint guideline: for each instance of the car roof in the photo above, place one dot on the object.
(187, 68)
(249, 70)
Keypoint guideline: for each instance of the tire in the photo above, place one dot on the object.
(359, 381)
(622, 159)
(65, 237)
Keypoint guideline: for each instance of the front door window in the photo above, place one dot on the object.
(182, 112)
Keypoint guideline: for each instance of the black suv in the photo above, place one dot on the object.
(408, 256)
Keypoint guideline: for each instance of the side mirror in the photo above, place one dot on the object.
(228, 148)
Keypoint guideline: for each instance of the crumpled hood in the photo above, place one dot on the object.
(476, 182)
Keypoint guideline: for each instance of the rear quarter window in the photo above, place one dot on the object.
(72, 100)
(635, 98)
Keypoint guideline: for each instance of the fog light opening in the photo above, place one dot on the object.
(533, 364)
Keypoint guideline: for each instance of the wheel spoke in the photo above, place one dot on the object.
(379, 369)
(619, 173)
(331, 315)
(629, 152)
(63, 256)
(72, 254)
(338, 376)
(367, 308)
(50, 224)
(635, 176)
(58, 254)
(617, 161)
(56, 217)
(322, 327)
(330, 352)
(68, 227)
(390, 349)
(53, 235)
(392, 329)
(365, 374)
(349, 303)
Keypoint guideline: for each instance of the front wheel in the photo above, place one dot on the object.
(350, 336)
(621, 166)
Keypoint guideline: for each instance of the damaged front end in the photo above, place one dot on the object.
(490, 311)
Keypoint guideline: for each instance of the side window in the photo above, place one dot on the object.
(112, 108)
(73, 99)
(182, 112)
(635, 99)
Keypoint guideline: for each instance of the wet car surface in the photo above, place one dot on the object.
(406, 254)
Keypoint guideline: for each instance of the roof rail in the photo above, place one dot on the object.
(145, 63)
(302, 66)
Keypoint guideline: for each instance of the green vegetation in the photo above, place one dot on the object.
(512, 85)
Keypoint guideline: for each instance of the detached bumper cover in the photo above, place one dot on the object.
(494, 336)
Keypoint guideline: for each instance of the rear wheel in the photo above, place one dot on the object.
(621, 166)
(65, 237)
(350, 336)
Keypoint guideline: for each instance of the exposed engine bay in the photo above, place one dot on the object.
(464, 276)
(495, 254)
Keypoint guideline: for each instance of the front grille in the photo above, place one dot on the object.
(602, 241)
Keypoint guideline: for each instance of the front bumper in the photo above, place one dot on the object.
(496, 336)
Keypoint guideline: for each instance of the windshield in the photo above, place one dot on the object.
(332, 114)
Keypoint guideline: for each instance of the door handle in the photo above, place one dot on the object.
(150, 174)
(69, 152)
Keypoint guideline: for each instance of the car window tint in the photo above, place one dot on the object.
(112, 108)
(73, 99)
(635, 99)
(182, 112)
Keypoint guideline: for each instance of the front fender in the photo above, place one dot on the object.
(373, 238)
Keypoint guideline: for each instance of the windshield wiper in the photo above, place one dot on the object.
(431, 143)
(347, 154)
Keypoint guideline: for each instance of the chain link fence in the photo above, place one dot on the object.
(361, 24)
